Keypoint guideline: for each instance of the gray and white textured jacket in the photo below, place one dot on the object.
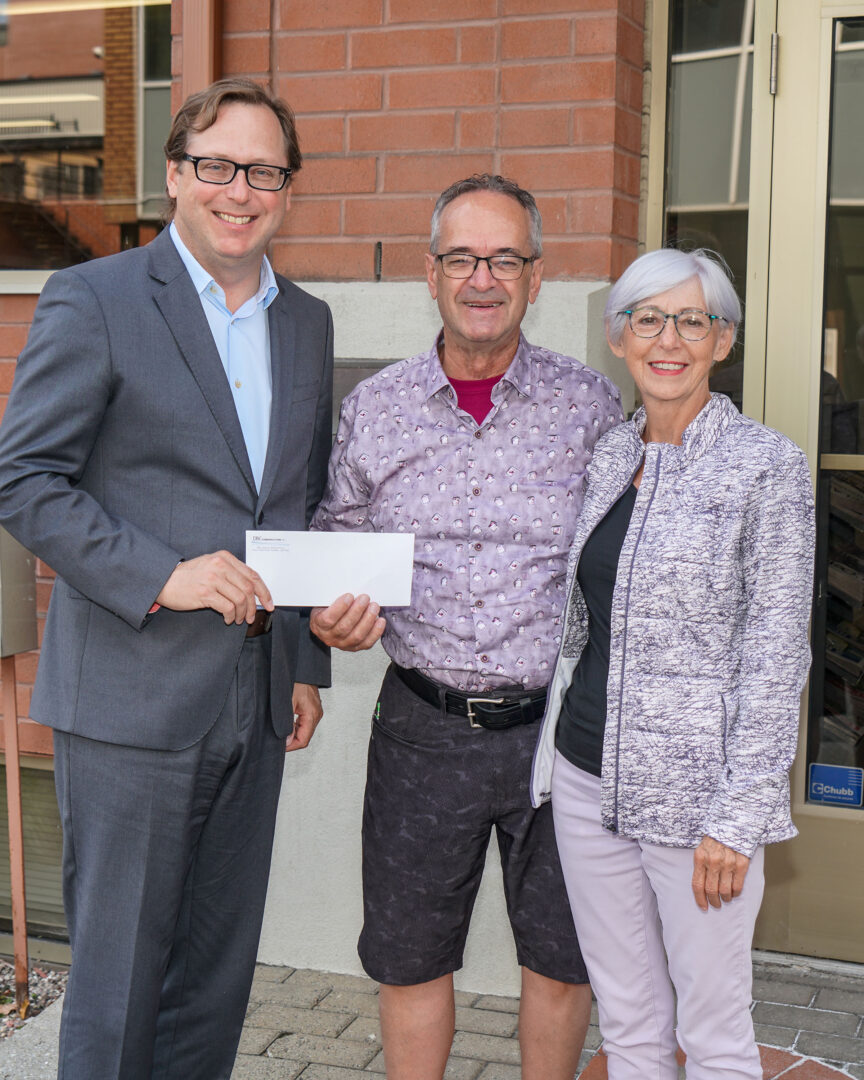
(709, 632)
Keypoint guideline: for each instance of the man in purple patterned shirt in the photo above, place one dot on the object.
(478, 447)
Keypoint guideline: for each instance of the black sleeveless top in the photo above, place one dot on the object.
(579, 736)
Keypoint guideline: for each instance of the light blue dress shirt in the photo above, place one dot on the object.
(243, 340)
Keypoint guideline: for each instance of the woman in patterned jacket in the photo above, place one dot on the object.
(673, 711)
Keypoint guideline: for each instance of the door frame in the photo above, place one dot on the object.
(813, 883)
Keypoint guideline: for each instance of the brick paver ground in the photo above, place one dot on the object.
(309, 1025)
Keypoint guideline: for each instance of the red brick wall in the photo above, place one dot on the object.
(121, 128)
(86, 221)
(16, 312)
(44, 46)
(177, 49)
(398, 98)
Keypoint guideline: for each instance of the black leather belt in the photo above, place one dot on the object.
(260, 624)
(506, 709)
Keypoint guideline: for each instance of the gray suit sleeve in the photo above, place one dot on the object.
(62, 388)
(313, 657)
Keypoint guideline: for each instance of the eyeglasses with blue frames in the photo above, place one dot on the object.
(691, 324)
(222, 171)
(459, 264)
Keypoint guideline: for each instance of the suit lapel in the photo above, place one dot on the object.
(282, 366)
(181, 308)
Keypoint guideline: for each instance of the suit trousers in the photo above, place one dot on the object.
(166, 856)
(645, 941)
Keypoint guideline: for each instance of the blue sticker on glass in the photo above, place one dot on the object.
(840, 785)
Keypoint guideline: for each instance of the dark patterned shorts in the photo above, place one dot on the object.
(435, 788)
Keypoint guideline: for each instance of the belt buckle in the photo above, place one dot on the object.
(469, 701)
(261, 624)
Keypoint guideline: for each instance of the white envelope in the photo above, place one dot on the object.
(312, 569)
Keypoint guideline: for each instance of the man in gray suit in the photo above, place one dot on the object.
(169, 399)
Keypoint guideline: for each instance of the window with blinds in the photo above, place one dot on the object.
(43, 845)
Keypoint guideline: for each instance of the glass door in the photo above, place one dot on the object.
(835, 734)
(813, 263)
(708, 167)
(708, 144)
(755, 137)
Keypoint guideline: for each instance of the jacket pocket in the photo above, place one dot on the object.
(675, 731)
(730, 716)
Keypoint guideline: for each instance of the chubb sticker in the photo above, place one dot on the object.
(837, 784)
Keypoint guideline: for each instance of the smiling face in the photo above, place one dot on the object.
(482, 316)
(228, 227)
(672, 374)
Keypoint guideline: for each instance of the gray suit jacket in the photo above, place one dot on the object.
(121, 454)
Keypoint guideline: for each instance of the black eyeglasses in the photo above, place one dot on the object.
(459, 264)
(214, 170)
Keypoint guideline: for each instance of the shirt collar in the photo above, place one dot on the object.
(521, 368)
(518, 374)
(202, 279)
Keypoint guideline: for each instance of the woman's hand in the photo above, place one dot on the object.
(718, 873)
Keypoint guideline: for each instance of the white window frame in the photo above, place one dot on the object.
(144, 84)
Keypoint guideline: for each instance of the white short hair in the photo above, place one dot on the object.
(659, 271)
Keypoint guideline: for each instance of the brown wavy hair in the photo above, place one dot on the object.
(200, 111)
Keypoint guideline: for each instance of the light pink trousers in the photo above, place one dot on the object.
(645, 941)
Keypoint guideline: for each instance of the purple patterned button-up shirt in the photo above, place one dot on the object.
(492, 507)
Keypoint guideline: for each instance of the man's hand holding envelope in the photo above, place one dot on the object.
(346, 578)
(349, 623)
